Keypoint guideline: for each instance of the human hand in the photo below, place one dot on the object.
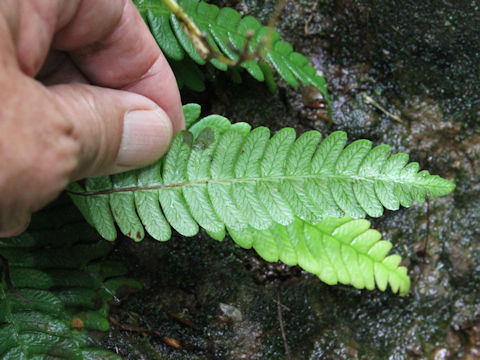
(84, 91)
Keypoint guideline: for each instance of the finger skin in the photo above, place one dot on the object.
(107, 39)
(124, 56)
(60, 69)
(97, 116)
(36, 156)
(33, 24)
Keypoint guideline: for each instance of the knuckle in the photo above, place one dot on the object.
(91, 112)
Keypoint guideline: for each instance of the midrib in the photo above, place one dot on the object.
(321, 177)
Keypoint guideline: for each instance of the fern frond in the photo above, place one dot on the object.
(292, 200)
(226, 32)
(337, 250)
(228, 175)
(65, 295)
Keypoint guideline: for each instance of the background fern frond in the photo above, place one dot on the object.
(337, 250)
(226, 32)
(65, 293)
(227, 175)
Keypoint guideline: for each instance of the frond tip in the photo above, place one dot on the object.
(218, 176)
(341, 250)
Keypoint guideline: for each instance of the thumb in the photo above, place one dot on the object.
(115, 130)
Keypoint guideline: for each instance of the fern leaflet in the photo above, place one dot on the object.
(340, 250)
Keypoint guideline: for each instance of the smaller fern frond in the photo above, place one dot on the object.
(231, 176)
(61, 293)
(226, 32)
(337, 250)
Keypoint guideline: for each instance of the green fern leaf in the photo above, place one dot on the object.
(276, 194)
(188, 74)
(227, 175)
(65, 294)
(191, 113)
(225, 28)
(337, 250)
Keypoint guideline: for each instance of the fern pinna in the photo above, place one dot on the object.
(54, 291)
(226, 32)
(280, 192)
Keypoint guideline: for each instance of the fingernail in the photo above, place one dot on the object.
(146, 137)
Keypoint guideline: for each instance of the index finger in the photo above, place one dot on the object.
(115, 49)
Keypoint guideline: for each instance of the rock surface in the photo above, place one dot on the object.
(420, 61)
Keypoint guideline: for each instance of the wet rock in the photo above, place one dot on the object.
(441, 354)
(231, 312)
(414, 349)
(418, 64)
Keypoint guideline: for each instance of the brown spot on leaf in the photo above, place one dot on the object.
(77, 323)
(187, 138)
(205, 139)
